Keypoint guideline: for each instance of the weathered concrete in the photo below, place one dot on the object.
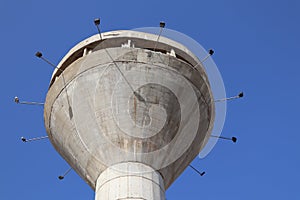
(124, 103)
(130, 181)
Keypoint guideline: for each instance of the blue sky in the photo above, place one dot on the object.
(256, 47)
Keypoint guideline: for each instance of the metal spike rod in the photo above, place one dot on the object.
(33, 139)
(61, 177)
(17, 101)
(97, 23)
(210, 53)
(138, 96)
(40, 55)
(240, 95)
(23, 139)
(162, 26)
(233, 139)
(200, 173)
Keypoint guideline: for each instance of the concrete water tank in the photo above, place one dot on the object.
(129, 113)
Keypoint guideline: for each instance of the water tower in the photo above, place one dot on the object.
(129, 111)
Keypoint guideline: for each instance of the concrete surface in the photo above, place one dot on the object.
(124, 102)
(125, 181)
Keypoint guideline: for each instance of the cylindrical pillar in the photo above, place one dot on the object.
(130, 181)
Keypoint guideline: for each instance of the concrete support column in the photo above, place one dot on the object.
(130, 181)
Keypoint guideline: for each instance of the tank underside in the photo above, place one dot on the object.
(129, 104)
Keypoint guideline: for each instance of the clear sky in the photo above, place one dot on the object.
(257, 48)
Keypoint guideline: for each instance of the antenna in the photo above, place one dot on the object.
(233, 139)
(138, 96)
(162, 26)
(240, 95)
(97, 23)
(40, 55)
(17, 101)
(63, 176)
(210, 53)
(33, 139)
(200, 173)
